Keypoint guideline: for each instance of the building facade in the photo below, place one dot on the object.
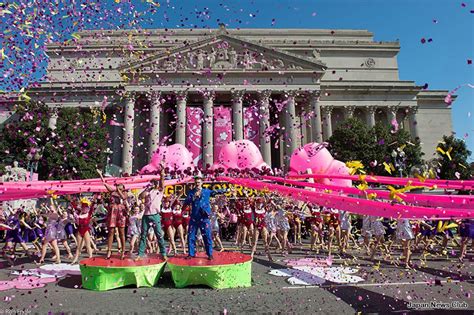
(280, 88)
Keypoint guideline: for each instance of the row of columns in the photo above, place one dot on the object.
(320, 122)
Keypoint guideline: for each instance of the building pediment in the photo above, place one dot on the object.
(223, 53)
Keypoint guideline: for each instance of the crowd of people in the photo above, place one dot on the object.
(145, 221)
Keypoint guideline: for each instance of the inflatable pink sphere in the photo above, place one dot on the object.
(312, 156)
(176, 157)
(338, 168)
(240, 154)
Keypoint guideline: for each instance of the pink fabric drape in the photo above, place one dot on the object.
(29, 190)
(429, 200)
(222, 128)
(440, 183)
(194, 118)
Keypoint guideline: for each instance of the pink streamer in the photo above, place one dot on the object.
(458, 201)
(30, 190)
(356, 205)
(451, 184)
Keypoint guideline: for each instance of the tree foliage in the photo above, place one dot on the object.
(353, 140)
(72, 151)
(453, 159)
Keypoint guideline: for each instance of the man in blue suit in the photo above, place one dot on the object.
(199, 198)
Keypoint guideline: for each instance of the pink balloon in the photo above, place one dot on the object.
(338, 168)
(242, 154)
(176, 157)
(147, 169)
(312, 156)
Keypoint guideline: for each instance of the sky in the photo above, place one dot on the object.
(436, 36)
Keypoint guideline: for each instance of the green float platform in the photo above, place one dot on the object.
(100, 274)
(226, 270)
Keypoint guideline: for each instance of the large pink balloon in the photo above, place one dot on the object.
(312, 156)
(176, 157)
(338, 168)
(240, 154)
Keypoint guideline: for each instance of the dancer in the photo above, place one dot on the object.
(167, 222)
(346, 227)
(331, 219)
(83, 217)
(134, 226)
(466, 230)
(270, 223)
(61, 231)
(216, 216)
(260, 227)
(153, 195)
(178, 222)
(117, 215)
(51, 233)
(316, 228)
(379, 233)
(405, 234)
(198, 198)
(247, 222)
(283, 226)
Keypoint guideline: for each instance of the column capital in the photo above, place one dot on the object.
(237, 95)
(371, 109)
(350, 109)
(314, 94)
(208, 94)
(53, 111)
(132, 95)
(413, 110)
(291, 93)
(263, 95)
(392, 108)
(182, 95)
(327, 110)
(154, 97)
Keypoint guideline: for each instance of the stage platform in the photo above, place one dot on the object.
(226, 270)
(100, 274)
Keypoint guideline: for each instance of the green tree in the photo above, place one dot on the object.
(72, 151)
(27, 133)
(351, 141)
(456, 167)
(78, 147)
(389, 140)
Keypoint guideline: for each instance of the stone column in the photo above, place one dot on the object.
(208, 128)
(129, 120)
(237, 115)
(53, 118)
(413, 120)
(264, 113)
(118, 116)
(291, 122)
(348, 112)
(370, 111)
(181, 117)
(317, 135)
(155, 112)
(326, 111)
(391, 113)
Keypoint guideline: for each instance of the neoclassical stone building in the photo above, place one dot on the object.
(280, 88)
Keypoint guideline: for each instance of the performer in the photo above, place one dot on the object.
(83, 217)
(198, 198)
(117, 215)
(260, 227)
(153, 195)
(178, 219)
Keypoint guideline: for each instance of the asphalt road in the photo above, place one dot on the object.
(386, 288)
